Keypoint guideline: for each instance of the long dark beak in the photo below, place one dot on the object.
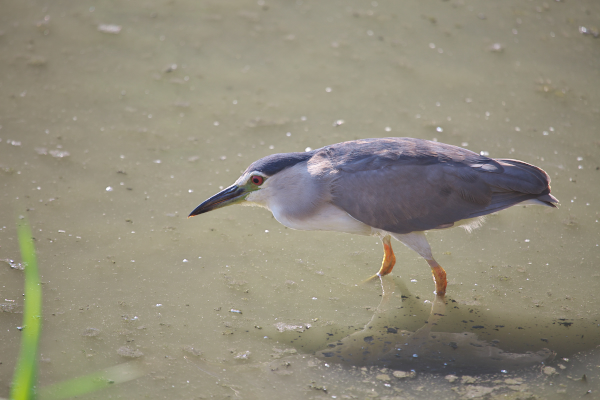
(231, 195)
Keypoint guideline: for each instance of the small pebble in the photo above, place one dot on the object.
(129, 352)
(404, 374)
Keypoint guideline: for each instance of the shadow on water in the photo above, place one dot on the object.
(446, 337)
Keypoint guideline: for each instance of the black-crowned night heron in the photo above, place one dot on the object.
(390, 187)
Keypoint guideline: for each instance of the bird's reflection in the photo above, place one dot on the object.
(380, 343)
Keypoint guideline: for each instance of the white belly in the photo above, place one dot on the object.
(327, 218)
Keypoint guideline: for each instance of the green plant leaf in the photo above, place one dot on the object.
(25, 377)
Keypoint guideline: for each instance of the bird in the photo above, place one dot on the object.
(386, 187)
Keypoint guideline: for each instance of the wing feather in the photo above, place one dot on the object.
(403, 185)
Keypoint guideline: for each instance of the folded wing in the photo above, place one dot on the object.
(416, 185)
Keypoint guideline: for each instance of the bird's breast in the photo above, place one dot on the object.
(325, 218)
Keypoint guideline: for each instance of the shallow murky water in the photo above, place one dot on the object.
(108, 140)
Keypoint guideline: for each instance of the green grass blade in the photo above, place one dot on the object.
(25, 377)
(92, 382)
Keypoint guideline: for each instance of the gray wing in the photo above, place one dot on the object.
(404, 185)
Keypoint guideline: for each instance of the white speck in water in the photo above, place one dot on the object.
(303, 118)
(338, 122)
(413, 280)
(439, 129)
(464, 144)
(190, 190)
(185, 260)
(314, 298)
(109, 189)
(388, 129)
(503, 371)
(415, 355)
(432, 45)
(370, 33)
(235, 102)
(216, 123)
(157, 161)
(288, 134)
(132, 260)
(159, 305)
(61, 231)
(308, 149)
(517, 129)
(545, 133)
(527, 240)
(266, 231)
(271, 147)
(328, 89)
(109, 28)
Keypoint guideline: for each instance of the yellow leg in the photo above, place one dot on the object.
(439, 277)
(389, 259)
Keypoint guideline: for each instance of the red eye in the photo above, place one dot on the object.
(257, 180)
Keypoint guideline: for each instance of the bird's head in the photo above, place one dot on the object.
(253, 185)
(248, 183)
